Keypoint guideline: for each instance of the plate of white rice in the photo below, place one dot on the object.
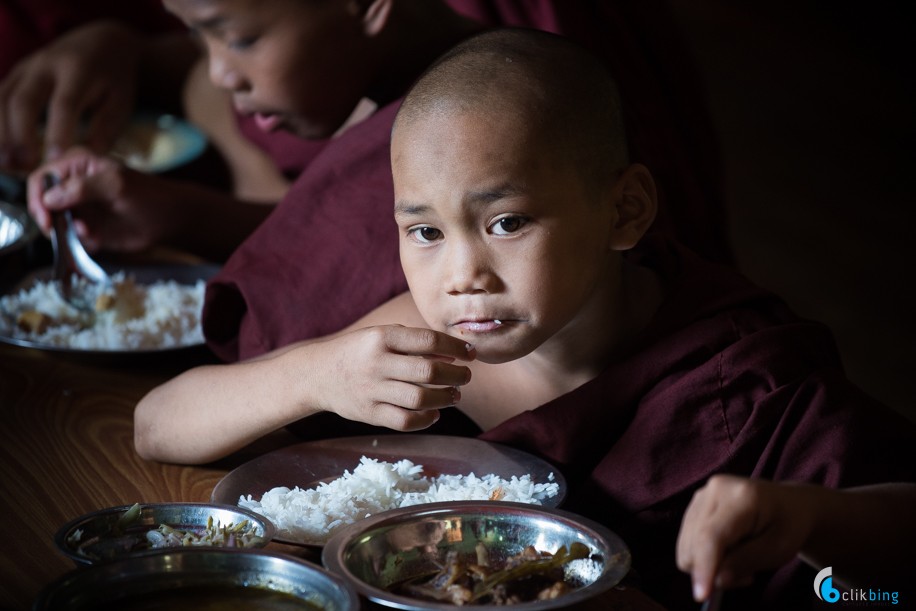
(149, 309)
(313, 489)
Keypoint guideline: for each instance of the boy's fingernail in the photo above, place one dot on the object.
(698, 591)
(456, 394)
(53, 196)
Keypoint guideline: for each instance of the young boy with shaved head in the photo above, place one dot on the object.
(539, 311)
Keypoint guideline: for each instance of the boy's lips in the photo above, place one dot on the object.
(479, 325)
(267, 122)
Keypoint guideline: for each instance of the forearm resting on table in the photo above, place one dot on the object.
(209, 412)
(864, 533)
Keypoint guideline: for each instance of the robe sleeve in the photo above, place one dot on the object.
(327, 254)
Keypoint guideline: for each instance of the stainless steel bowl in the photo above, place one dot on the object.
(18, 235)
(16, 228)
(398, 545)
(184, 578)
(113, 542)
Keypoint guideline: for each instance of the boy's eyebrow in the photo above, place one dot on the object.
(405, 208)
(483, 197)
(208, 23)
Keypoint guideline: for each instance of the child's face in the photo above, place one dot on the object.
(501, 244)
(295, 64)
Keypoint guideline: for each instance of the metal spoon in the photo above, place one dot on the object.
(78, 278)
(714, 602)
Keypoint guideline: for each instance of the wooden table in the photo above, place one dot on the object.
(66, 448)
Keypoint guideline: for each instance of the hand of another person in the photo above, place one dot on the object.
(392, 376)
(85, 82)
(735, 527)
(113, 207)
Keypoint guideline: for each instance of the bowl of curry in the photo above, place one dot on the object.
(477, 555)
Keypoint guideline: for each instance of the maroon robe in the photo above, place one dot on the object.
(328, 254)
(725, 379)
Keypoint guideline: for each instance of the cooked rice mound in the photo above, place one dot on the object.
(313, 515)
(130, 317)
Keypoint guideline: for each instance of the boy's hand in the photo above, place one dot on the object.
(392, 376)
(86, 76)
(114, 207)
(735, 527)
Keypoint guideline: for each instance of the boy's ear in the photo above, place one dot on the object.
(374, 14)
(635, 203)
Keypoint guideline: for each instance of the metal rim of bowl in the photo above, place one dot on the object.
(338, 546)
(63, 533)
(117, 577)
(29, 228)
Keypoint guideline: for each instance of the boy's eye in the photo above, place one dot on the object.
(425, 235)
(508, 224)
(241, 43)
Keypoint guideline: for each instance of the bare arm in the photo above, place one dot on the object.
(87, 83)
(380, 375)
(735, 527)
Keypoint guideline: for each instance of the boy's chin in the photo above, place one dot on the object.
(496, 356)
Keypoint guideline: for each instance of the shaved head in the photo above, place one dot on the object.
(555, 88)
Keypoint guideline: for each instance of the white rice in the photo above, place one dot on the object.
(313, 515)
(164, 314)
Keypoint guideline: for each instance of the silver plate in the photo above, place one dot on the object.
(143, 274)
(308, 464)
(100, 524)
(402, 544)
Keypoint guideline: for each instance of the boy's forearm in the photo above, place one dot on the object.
(866, 533)
(212, 411)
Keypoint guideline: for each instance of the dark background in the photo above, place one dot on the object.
(814, 105)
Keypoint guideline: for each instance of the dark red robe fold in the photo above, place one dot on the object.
(327, 255)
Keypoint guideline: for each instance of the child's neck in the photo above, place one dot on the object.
(606, 328)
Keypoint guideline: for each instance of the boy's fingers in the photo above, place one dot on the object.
(398, 419)
(418, 370)
(23, 123)
(703, 563)
(64, 112)
(426, 342)
(418, 398)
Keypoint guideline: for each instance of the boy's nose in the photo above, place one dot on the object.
(468, 271)
(224, 75)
